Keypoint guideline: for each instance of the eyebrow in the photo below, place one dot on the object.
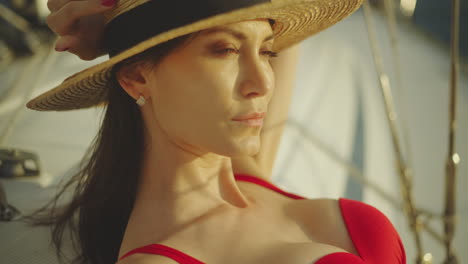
(234, 33)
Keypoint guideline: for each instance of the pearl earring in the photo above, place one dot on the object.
(141, 101)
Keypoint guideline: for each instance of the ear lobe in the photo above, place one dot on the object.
(132, 80)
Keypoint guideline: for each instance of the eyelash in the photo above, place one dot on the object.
(268, 53)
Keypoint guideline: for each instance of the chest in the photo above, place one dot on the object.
(249, 246)
(270, 251)
(290, 231)
(273, 237)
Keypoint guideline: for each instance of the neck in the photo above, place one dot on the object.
(174, 179)
(178, 186)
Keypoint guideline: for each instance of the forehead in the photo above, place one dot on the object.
(243, 30)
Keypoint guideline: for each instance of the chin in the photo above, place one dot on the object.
(235, 147)
(236, 150)
(246, 149)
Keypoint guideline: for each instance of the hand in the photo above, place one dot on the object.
(79, 25)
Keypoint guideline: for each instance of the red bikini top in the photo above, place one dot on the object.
(373, 235)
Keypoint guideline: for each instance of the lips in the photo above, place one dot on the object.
(256, 115)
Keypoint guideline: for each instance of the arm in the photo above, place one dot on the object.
(261, 165)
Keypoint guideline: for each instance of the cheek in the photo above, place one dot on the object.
(194, 100)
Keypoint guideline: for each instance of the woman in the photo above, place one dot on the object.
(172, 175)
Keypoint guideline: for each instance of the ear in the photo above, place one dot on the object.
(133, 79)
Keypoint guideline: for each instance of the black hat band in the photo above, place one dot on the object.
(158, 16)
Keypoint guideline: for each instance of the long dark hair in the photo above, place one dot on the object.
(104, 188)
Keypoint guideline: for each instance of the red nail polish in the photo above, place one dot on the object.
(107, 2)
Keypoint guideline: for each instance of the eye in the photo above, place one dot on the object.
(226, 51)
(270, 53)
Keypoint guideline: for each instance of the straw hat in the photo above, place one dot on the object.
(134, 26)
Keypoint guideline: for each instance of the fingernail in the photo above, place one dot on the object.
(107, 2)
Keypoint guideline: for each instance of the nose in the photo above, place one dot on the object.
(258, 78)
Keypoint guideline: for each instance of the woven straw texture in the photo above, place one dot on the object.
(295, 21)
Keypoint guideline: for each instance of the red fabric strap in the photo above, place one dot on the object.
(264, 183)
(158, 249)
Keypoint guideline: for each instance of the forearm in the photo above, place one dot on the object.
(261, 165)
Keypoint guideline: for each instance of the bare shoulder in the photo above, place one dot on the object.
(322, 220)
(147, 259)
(322, 216)
(321, 210)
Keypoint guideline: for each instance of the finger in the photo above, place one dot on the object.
(63, 21)
(54, 5)
(65, 43)
(71, 43)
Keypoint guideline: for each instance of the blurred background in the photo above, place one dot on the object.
(337, 142)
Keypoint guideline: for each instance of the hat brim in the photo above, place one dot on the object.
(295, 21)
